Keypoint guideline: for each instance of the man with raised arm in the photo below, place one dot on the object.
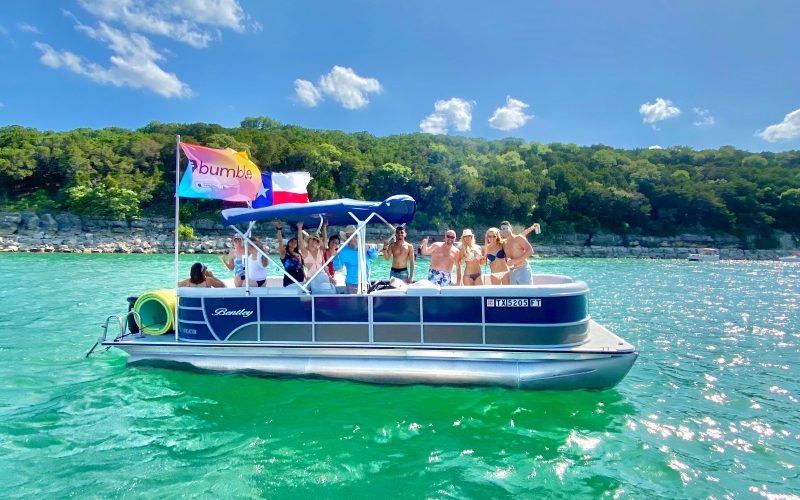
(402, 254)
(517, 249)
(443, 258)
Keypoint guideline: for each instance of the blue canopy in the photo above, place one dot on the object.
(399, 209)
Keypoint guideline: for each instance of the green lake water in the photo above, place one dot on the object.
(710, 410)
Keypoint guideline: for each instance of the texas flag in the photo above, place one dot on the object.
(277, 188)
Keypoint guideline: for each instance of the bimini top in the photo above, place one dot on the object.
(398, 209)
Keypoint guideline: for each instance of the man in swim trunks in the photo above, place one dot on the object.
(443, 258)
(517, 249)
(402, 254)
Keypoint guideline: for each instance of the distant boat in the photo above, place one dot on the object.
(795, 257)
(705, 255)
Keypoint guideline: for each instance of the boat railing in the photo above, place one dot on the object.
(122, 324)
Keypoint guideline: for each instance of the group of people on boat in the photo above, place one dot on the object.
(304, 254)
(506, 254)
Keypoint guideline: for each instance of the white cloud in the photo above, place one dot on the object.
(342, 84)
(455, 112)
(511, 116)
(133, 63)
(704, 118)
(349, 89)
(787, 130)
(307, 93)
(658, 111)
(187, 21)
(434, 124)
(28, 27)
(655, 146)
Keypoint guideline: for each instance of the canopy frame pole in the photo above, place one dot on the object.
(361, 230)
(246, 257)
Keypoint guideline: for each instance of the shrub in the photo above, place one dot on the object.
(102, 201)
(185, 232)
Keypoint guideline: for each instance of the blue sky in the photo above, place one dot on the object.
(628, 74)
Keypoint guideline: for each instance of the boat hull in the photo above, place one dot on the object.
(586, 367)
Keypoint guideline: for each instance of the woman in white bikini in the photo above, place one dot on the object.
(496, 257)
(471, 255)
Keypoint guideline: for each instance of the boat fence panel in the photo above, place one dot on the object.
(501, 317)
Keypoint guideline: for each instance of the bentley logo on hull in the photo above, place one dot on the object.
(223, 311)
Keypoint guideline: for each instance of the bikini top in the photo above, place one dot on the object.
(500, 255)
(470, 255)
(314, 263)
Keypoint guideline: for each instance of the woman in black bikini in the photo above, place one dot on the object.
(290, 256)
(471, 254)
(496, 257)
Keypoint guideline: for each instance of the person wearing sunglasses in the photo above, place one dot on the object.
(201, 276)
(517, 249)
(443, 258)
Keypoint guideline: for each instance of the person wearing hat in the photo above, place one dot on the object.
(402, 254)
(348, 258)
(443, 258)
(470, 254)
(517, 249)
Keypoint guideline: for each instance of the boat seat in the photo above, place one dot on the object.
(390, 291)
(423, 287)
(239, 292)
(292, 289)
(551, 279)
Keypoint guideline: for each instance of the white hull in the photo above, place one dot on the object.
(599, 364)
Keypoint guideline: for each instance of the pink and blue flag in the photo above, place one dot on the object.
(277, 188)
(220, 174)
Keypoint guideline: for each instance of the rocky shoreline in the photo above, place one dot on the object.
(69, 233)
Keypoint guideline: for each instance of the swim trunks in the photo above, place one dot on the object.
(400, 273)
(521, 275)
(439, 277)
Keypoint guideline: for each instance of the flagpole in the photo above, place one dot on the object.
(177, 202)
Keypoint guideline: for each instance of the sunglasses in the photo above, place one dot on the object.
(450, 237)
(504, 228)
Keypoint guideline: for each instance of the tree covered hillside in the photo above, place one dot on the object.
(455, 180)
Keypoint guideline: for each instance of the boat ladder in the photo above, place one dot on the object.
(122, 324)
